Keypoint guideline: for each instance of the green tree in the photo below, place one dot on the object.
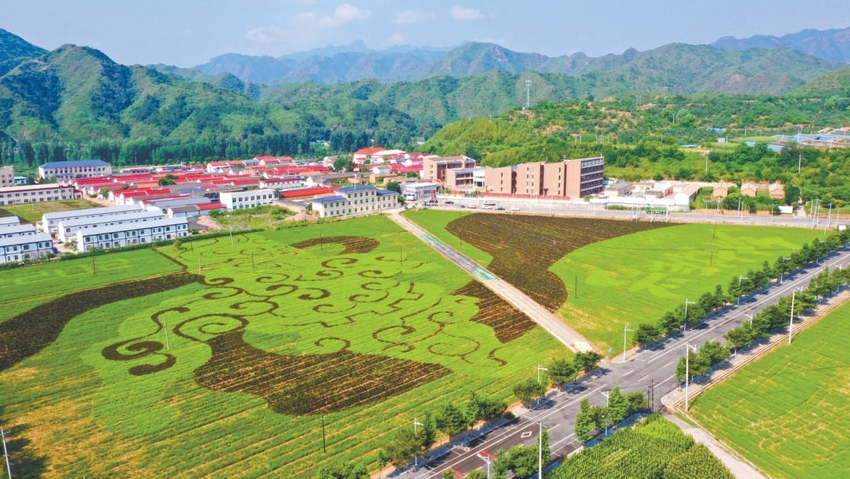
(477, 474)
(403, 447)
(394, 186)
(450, 420)
(584, 422)
(562, 370)
(529, 390)
(343, 470)
(448, 474)
(618, 407)
(588, 360)
(645, 334)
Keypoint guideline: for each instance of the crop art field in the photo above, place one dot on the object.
(601, 275)
(789, 412)
(227, 366)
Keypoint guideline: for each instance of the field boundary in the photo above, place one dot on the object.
(675, 400)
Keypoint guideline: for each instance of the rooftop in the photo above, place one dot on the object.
(355, 189)
(329, 199)
(135, 226)
(58, 215)
(74, 164)
(14, 240)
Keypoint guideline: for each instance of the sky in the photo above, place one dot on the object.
(187, 33)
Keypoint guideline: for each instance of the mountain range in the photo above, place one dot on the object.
(356, 61)
(78, 95)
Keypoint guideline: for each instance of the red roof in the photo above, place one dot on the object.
(417, 168)
(305, 192)
(369, 151)
(296, 170)
(210, 206)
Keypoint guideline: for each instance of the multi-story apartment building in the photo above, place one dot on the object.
(237, 200)
(355, 201)
(69, 170)
(50, 221)
(7, 176)
(16, 249)
(66, 230)
(129, 234)
(435, 167)
(569, 178)
(17, 195)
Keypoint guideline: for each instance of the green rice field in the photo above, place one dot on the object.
(789, 412)
(635, 278)
(228, 363)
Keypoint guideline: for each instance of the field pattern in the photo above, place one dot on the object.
(789, 412)
(25, 288)
(231, 373)
(635, 279)
(525, 247)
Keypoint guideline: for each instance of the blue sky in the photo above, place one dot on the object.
(187, 33)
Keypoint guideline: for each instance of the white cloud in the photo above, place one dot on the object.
(264, 34)
(393, 40)
(412, 16)
(460, 13)
(343, 14)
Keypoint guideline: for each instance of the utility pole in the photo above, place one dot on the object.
(607, 396)
(685, 322)
(791, 319)
(6, 453)
(625, 330)
(740, 281)
(165, 328)
(416, 457)
(688, 349)
(539, 451)
(527, 94)
(324, 448)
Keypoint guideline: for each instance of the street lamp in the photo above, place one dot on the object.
(685, 322)
(781, 273)
(791, 319)
(740, 281)
(607, 397)
(415, 457)
(625, 330)
(540, 451)
(688, 347)
(540, 368)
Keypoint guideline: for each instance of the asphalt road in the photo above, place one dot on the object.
(582, 209)
(649, 371)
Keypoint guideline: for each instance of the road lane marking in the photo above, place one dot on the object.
(643, 378)
(556, 426)
(671, 362)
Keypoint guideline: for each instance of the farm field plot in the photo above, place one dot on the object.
(25, 288)
(33, 212)
(230, 368)
(635, 279)
(789, 412)
(602, 278)
(435, 222)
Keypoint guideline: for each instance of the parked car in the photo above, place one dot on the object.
(500, 208)
(514, 208)
(450, 202)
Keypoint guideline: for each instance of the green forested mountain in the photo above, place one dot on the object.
(14, 50)
(75, 102)
(831, 45)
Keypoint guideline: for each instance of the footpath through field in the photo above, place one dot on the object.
(739, 467)
(540, 315)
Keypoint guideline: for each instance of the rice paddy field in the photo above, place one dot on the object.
(789, 412)
(222, 357)
(613, 275)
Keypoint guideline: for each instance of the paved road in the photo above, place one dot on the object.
(650, 371)
(542, 316)
(582, 209)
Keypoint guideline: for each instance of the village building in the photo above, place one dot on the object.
(117, 236)
(355, 201)
(237, 200)
(69, 170)
(18, 195)
(17, 249)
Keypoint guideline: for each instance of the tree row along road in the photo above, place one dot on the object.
(542, 316)
(647, 370)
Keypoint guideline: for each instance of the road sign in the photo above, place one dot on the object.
(486, 456)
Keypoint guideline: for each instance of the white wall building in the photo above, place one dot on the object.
(355, 201)
(237, 200)
(7, 176)
(139, 233)
(49, 221)
(420, 191)
(69, 170)
(66, 230)
(10, 231)
(19, 248)
(9, 221)
(18, 195)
